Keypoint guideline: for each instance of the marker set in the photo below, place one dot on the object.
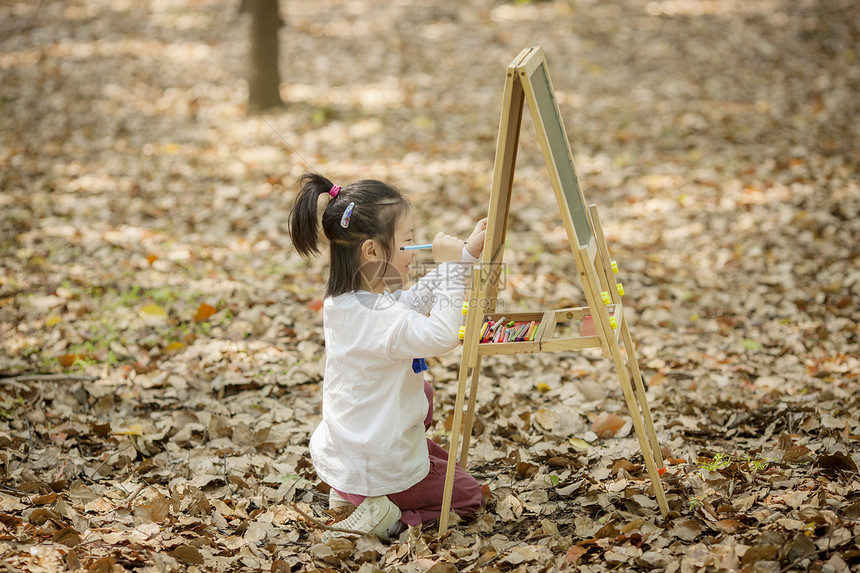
(503, 330)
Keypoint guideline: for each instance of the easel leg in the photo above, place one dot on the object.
(470, 412)
(645, 440)
(452, 451)
(640, 391)
(639, 411)
(500, 202)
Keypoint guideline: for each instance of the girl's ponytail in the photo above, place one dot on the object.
(304, 220)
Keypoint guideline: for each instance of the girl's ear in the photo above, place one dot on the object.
(370, 250)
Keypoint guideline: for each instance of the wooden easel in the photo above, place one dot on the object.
(603, 323)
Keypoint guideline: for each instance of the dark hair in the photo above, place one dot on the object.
(377, 208)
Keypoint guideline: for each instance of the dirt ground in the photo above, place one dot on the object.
(161, 342)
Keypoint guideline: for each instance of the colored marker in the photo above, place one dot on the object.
(498, 336)
(487, 331)
(424, 246)
(497, 330)
(522, 332)
(530, 331)
(498, 324)
(517, 332)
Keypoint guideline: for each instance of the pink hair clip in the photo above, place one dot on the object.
(335, 189)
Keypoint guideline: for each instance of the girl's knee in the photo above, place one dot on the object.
(468, 492)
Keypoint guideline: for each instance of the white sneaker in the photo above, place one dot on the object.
(376, 515)
(335, 501)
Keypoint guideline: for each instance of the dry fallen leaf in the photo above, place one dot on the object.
(153, 310)
(101, 565)
(69, 360)
(606, 425)
(204, 311)
(729, 525)
(626, 465)
(687, 529)
(574, 553)
(756, 553)
(188, 554)
(66, 536)
(520, 554)
(131, 430)
(156, 510)
(173, 347)
(442, 567)
(45, 499)
(546, 418)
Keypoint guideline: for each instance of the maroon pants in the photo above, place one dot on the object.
(423, 501)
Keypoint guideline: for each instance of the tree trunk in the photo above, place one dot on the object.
(264, 79)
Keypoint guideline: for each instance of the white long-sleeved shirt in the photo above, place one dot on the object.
(371, 439)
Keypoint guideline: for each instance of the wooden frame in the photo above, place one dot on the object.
(603, 320)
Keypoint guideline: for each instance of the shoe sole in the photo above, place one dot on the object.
(388, 520)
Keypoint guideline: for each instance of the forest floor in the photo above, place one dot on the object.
(146, 265)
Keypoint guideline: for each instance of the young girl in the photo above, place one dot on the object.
(371, 446)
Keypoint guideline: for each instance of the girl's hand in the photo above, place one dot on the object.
(447, 249)
(475, 242)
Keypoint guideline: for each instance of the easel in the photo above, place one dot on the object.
(603, 322)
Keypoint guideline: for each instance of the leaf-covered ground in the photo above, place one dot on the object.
(146, 265)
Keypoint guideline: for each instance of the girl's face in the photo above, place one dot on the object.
(379, 275)
(397, 271)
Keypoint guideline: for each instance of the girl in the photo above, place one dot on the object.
(370, 446)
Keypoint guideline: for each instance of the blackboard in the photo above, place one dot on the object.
(559, 149)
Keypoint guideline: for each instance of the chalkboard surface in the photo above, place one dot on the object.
(560, 150)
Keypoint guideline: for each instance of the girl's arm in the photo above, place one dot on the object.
(421, 295)
(418, 335)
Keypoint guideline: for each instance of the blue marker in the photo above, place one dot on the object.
(416, 247)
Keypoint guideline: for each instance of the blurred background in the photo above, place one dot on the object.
(718, 138)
